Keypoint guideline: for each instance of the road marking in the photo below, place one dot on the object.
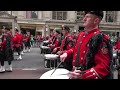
(29, 69)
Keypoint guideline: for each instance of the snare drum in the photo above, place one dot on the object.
(50, 60)
(45, 43)
(60, 73)
(45, 49)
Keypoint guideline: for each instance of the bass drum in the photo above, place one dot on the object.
(60, 73)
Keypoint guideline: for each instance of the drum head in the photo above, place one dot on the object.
(45, 47)
(58, 74)
(46, 41)
(51, 56)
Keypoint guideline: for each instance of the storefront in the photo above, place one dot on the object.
(34, 27)
(7, 20)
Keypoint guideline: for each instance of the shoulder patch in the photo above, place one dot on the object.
(104, 49)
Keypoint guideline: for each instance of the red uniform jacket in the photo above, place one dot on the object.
(40, 38)
(67, 43)
(51, 39)
(3, 44)
(56, 42)
(117, 46)
(101, 58)
(17, 40)
(27, 38)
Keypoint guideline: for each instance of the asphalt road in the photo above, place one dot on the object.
(30, 67)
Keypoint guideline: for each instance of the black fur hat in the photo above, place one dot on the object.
(7, 28)
(97, 13)
(66, 28)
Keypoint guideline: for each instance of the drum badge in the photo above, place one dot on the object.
(104, 50)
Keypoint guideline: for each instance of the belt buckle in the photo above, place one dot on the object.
(77, 68)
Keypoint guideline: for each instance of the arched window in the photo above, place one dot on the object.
(110, 16)
(80, 15)
(59, 15)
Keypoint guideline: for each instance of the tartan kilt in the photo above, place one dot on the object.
(6, 57)
(16, 49)
(27, 44)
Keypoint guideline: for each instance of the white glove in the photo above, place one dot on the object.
(63, 57)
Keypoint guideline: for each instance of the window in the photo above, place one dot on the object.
(110, 16)
(80, 15)
(34, 14)
(3, 12)
(31, 14)
(59, 15)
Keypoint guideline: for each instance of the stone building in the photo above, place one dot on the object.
(41, 22)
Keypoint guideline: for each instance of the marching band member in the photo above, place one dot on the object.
(27, 42)
(56, 41)
(17, 43)
(116, 49)
(67, 43)
(93, 52)
(6, 50)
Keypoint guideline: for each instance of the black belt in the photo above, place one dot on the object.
(81, 67)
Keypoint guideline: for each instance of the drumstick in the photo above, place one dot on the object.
(56, 67)
(82, 72)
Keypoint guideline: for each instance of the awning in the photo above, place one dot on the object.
(58, 29)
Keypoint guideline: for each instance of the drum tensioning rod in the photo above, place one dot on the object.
(56, 68)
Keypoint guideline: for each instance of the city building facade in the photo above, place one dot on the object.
(41, 22)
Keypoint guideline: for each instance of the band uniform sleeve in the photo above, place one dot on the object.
(70, 51)
(4, 42)
(56, 43)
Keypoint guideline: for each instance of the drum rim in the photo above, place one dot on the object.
(44, 47)
(55, 56)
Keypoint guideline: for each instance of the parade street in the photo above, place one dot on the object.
(30, 67)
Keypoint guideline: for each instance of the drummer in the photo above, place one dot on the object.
(52, 36)
(117, 48)
(67, 43)
(56, 41)
(92, 53)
